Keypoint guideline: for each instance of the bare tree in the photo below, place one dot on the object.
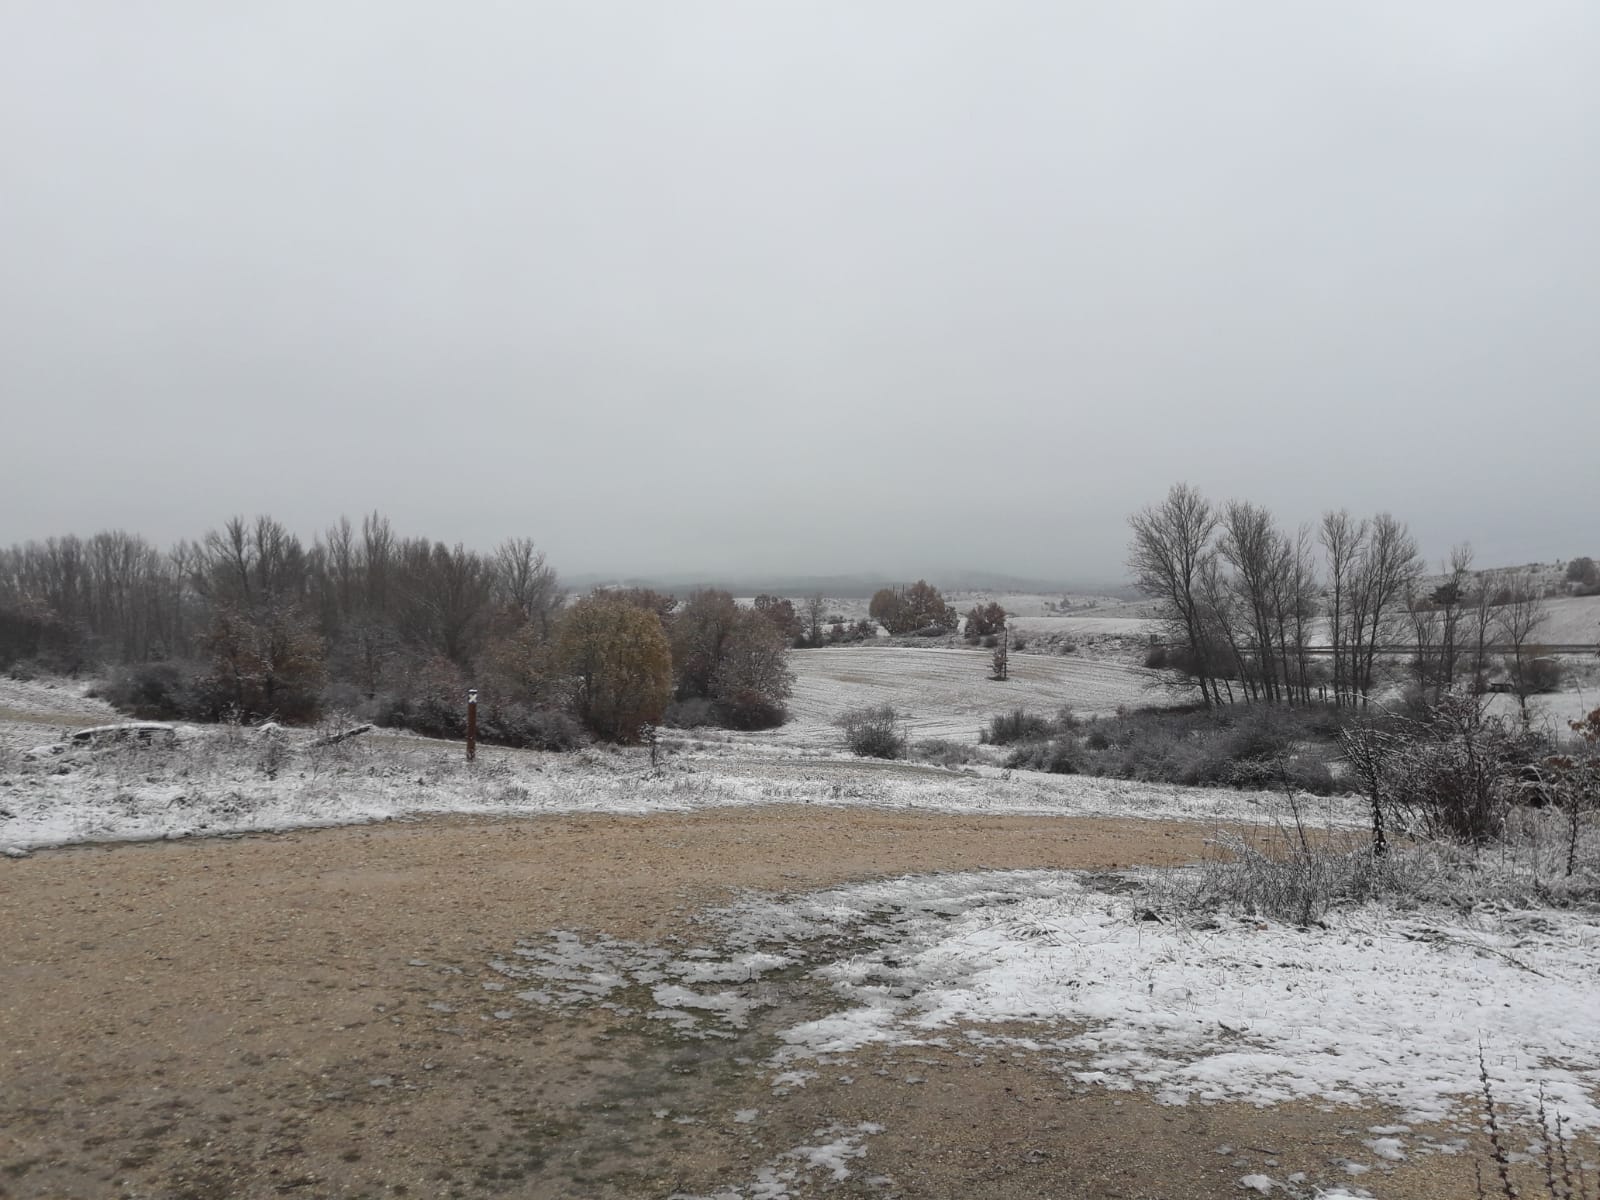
(1343, 540)
(1303, 612)
(1255, 550)
(1171, 542)
(443, 595)
(815, 609)
(1424, 620)
(378, 549)
(1481, 618)
(1452, 597)
(1221, 630)
(1517, 620)
(524, 582)
(1388, 566)
(342, 563)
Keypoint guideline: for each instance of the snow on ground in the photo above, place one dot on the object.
(1570, 620)
(1377, 1006)
(1551, 712)
(831, 1160)
(217, 780)
(947, 693)
(29, 709)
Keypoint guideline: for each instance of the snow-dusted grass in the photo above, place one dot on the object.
(947, 693)
(217, 780)
(1299, 881)
(1372, 1006)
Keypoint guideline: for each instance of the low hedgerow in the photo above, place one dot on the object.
(1244, 746)
(1057, 756)
(524, 726)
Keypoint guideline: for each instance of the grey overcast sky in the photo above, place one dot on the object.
(821, 286)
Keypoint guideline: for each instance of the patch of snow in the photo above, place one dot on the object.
(1387, 1147)
(774, 1180)
(833, 1156)
(1376, 1006)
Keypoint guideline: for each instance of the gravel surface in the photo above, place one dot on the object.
(312, 1014)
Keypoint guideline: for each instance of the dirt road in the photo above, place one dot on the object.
(312, 1014)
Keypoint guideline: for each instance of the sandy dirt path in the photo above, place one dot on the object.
(306, 1014)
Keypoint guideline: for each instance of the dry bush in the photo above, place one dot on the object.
(1018, 725)
(1290, 874)
(873, 732)
(1451, 773)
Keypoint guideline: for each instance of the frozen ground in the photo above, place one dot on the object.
(1374, 1007)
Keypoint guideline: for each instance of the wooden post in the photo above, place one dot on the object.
(472, 724)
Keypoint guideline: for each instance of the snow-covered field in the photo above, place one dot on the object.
(1572, 619)
(1087, 626)
(25, 707)
(1550, 712)
(1048, 604)
(224, 780)
(947, 693)
(1373, 1007)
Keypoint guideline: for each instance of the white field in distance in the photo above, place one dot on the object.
(947, 693)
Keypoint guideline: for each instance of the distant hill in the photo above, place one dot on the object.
(856, 586)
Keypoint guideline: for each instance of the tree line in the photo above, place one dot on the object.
(1258, 613)
(250, 620)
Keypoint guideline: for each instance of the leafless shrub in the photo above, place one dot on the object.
(1450, 773)
(1297, 883)
(1286, 874)
(327, 751)
(874, 732)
